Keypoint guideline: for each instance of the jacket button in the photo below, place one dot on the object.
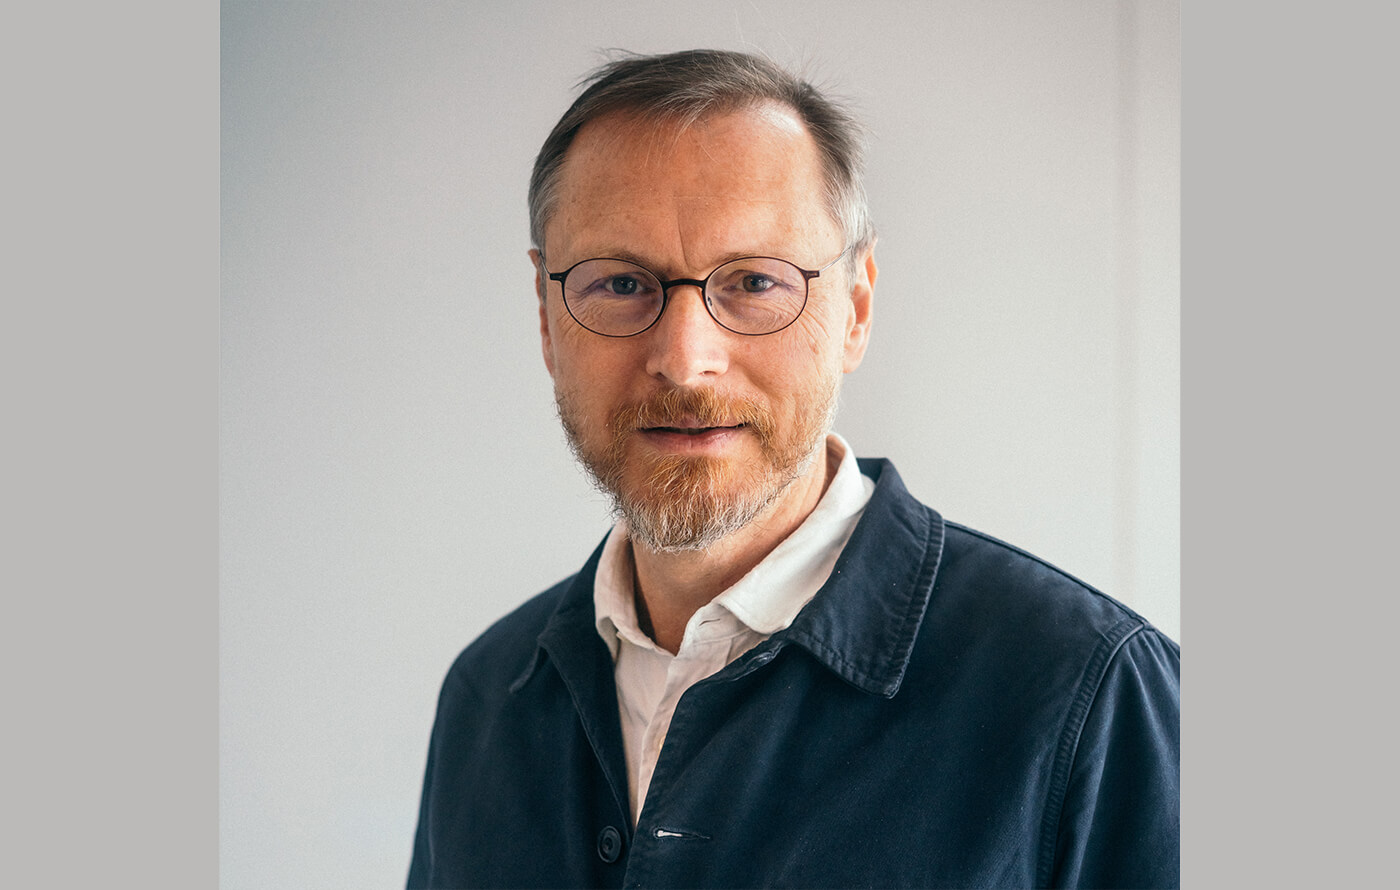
(609, 844)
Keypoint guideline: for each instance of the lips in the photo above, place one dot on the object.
(692, 437)
(691, 430)
(689, 423)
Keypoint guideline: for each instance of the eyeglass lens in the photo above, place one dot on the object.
(754, 295)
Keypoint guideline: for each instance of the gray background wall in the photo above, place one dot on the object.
(392, 475)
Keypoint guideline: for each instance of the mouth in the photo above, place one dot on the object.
(694, 438)
(691, 430)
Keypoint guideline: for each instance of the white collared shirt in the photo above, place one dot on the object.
(650, 680)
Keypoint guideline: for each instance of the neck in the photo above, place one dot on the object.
(671, 587)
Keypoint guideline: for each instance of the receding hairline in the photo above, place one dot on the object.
(666, 126)
(691, 85)
(676, 126)
(651, 139)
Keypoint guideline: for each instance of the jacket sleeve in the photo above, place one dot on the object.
(421, 865)
(1119, 825)
(455, 696)
(418, 866)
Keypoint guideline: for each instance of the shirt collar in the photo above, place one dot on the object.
(770, 595)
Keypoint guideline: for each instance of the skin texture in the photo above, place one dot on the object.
(682, 201)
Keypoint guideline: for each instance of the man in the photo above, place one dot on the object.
(779, 668)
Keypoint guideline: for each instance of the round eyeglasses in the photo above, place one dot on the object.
(753, 295)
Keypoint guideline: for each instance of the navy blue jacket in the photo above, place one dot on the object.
(948, 711)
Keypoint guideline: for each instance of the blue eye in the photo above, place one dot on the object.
(623, 285)
(757, 284)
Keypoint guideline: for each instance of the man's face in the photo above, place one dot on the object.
(696, 430)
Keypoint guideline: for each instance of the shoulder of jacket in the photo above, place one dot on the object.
(504, 648)
(1011, 579)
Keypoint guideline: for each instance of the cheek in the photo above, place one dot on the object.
(591, 372)
(576, 352)
(811, 346)
(795, 374)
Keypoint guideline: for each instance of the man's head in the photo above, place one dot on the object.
(681, 165)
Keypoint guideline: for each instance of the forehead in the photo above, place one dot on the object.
(743, 181)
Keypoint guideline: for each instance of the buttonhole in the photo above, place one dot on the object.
(686, 835)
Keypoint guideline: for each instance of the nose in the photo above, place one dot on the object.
(686, 346)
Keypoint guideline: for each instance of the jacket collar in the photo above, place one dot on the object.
(861, 625)
(863, 621)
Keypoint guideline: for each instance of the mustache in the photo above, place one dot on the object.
(692, 407)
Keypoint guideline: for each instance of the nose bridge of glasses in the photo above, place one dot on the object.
(700, 285)
(682, 282)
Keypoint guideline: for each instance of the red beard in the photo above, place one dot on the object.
(682, 502)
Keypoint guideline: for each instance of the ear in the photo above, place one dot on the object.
(862, 296)
(541, 283)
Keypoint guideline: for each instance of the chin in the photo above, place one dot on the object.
(675, 504)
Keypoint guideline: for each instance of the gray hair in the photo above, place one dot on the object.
(684, 87)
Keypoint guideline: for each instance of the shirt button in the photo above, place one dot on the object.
(609, 844)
